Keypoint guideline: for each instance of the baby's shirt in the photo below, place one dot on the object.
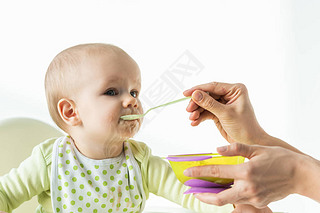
(33, 178)
(81, 184)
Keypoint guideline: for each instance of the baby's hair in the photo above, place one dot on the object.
(64, 68)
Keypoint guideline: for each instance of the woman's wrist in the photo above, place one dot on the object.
(260, 138)
(307, 177)
(254, 136)
(268, 140)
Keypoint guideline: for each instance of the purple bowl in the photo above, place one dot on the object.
(188, 158)
(205, 184)
(204, 190)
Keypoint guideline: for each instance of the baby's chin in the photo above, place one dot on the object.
(130, 128)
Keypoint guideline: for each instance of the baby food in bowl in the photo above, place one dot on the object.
(179, 163)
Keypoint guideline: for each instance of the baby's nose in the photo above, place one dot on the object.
(130, 101)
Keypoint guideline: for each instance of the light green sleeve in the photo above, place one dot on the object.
(159, 179)
(162, 181)
(29, 179)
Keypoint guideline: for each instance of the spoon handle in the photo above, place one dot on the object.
(132, 117)
(169, 103)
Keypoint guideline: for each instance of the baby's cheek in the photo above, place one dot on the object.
(111, 118)
(140, 109)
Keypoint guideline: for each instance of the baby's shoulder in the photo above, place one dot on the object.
(139, 149)
(46, 148)
(137, 144)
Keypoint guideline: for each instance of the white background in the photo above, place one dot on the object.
(271, 46)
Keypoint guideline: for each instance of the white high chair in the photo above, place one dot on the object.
(18, 136)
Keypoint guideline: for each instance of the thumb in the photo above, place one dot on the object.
(238, 149)
(207, 102)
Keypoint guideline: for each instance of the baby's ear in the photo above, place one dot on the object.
(68, 112)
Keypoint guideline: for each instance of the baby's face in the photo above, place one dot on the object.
(109, 86)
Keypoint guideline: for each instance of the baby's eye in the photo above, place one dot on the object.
(134, 94)
(111, 92)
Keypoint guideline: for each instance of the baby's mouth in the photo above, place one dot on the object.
(130, 117)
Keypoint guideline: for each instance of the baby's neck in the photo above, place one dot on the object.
(99, 150)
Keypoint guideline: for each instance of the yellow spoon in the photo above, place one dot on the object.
(133, 117)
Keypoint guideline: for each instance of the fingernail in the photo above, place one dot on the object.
(197, 96)
(222, 149)
(186, 172)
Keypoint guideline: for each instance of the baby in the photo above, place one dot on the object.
(96, 167)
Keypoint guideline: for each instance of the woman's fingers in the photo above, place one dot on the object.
(215, 88)
(192, 106)
(196, 114)
(207, 102)
(226, 171)
(205, 115)
(220, 171)
(220, 199)
(246, 208)
(240, 149)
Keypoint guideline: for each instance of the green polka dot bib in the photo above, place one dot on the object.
(81, 184)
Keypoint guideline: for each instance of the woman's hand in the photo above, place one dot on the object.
(271, 174)
(230, 108)
(244, 208)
